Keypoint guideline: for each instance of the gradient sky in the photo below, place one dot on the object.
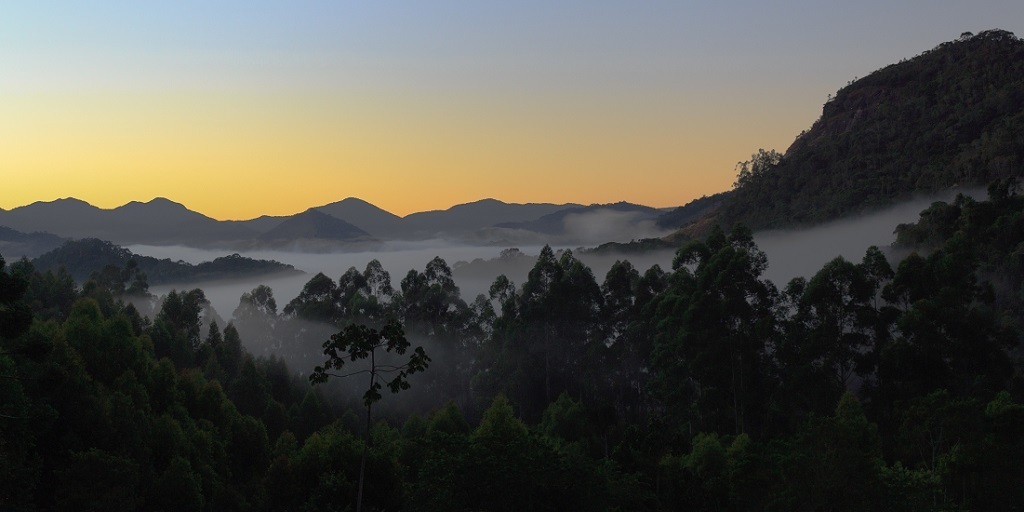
(237, 109)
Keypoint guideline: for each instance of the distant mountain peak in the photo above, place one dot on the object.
(350, 203)
(63, 201)
(363, 215)
(164, 201)
(315, 224)
(355, 200)
(158, 209)
(155, 202)
(487, 200)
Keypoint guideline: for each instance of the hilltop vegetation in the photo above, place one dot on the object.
(27, 244)
(83, 257)
(952, 116)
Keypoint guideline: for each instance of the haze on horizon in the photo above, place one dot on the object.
(791, 253)
(242, 109)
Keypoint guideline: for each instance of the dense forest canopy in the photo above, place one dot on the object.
(872, 384)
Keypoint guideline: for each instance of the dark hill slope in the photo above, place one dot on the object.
(83, 257)
(15, 244)
(316, 225)
(691, 211)
(476, 215)
(365, 216)
(555, 223)
(952, 116)
(159, 221)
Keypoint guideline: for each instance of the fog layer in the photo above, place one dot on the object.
(803, 252)
(790, 254)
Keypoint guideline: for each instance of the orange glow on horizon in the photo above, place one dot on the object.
(414, 106)
(236, 156)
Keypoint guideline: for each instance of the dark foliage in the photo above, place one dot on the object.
(83, 257)
(952, 116)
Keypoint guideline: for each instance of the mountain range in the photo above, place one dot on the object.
(347, 224)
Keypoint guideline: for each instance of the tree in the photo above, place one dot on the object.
(431, 307)
(503, 464)
(358, 343)
(177, 330)
(715, 326)
(833, 460)
(316, 301)
(949, 335)
(760, 163)
(560, 328)
(15, 315)
(828, 336)
(256, 318)
(378, 295)
(629, 333)
(49, 294)
(431, 302)
(18, 460)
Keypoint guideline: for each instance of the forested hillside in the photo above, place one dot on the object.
(872, 385)
(952, 116)
(81, 258)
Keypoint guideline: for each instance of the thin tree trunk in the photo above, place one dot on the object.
(362, 464)
(366, 449)
(547, 372)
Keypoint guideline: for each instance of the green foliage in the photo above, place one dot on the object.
(552, 325)
(49, 294)
(716, 322)
(759, 165)
(834, 460)
(91, 420)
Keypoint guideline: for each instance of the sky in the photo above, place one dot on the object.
(239, 109)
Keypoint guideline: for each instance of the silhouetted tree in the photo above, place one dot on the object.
(359, 343)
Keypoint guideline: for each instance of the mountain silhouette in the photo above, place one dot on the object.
(949, 118)
(161, 221)
(556, 223)
(314, 224)
(83, 257)
(365, 216)
(15, 244)
(476, 215)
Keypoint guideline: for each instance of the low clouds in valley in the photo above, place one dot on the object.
(790, 253)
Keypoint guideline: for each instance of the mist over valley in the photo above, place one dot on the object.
(791, 253)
